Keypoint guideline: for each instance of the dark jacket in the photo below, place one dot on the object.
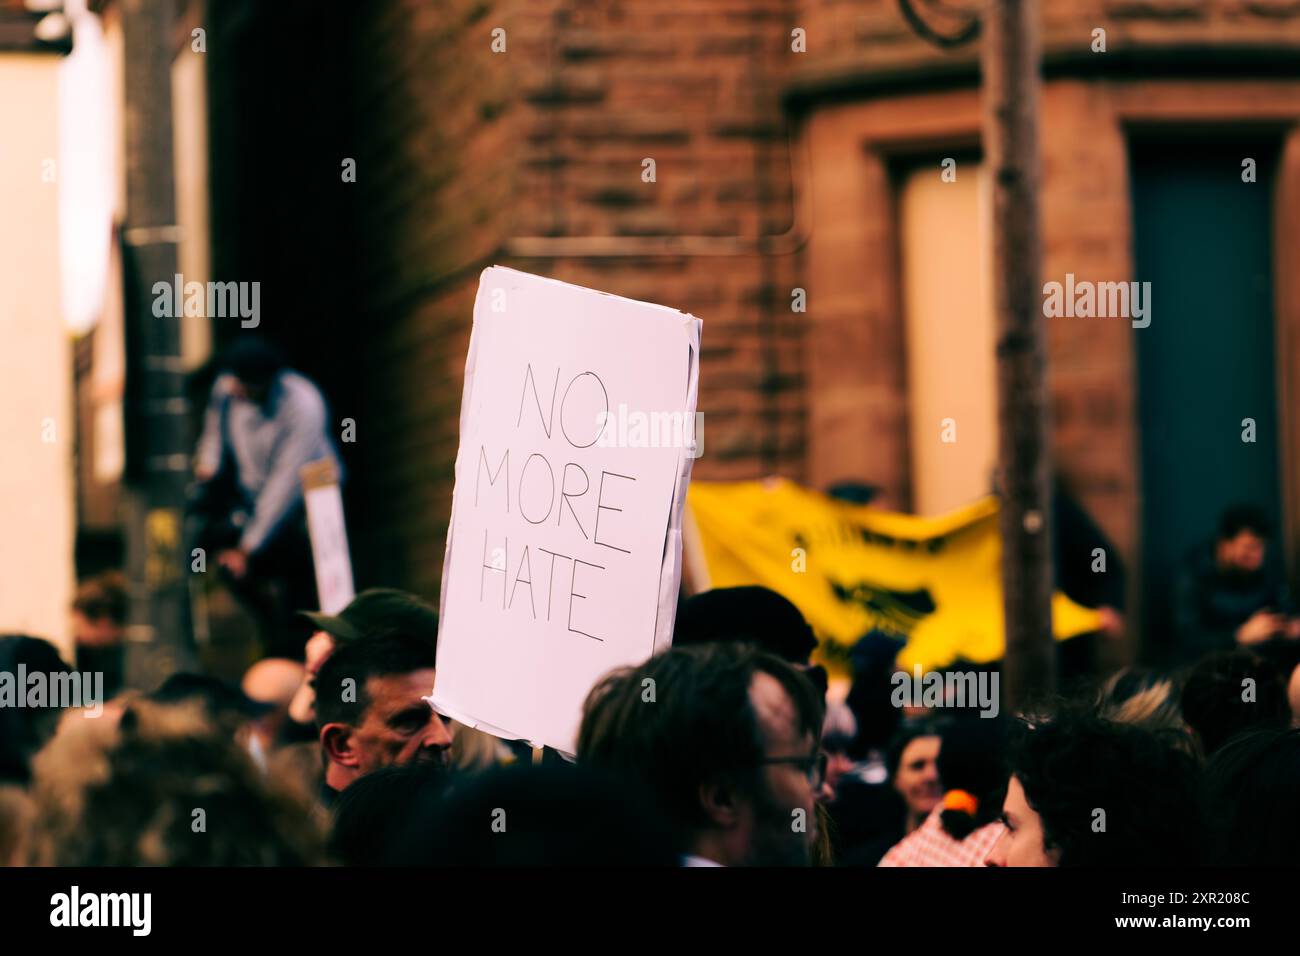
(1209, 605)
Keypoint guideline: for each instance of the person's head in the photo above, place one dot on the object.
(1252, 788)
(1086, 791)
(752, 614)
(724, 739)
(1231, 693)
(162, 787)
(99, 610)
(1242, 540)
(839, 730)
(972, 774)
(873, 659)
(374, 612)
(224, 705)
(371, 817)
(372, 711)
(272, 682)
(554, 814)
(912, 760)
(1128, 683)
(24, 730)
(255, 363)
(1145, 698)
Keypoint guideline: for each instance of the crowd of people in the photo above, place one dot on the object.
(730, 749)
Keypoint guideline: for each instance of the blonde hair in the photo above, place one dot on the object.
(473, 749)
(1155, 707)
(129, 793)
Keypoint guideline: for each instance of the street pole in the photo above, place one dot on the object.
(158, 639)
(1010, 67)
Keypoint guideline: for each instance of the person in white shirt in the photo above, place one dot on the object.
(264, 421)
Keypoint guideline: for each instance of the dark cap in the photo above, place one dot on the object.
(379, 611)
(754, 615)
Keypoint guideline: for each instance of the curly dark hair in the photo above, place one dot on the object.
(1077, 763)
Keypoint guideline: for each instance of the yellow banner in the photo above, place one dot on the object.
(851, 569)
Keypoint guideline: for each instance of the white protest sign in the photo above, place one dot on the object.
(329, 536)
(564, 550)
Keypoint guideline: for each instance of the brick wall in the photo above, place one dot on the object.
(533, 158)
(436, 139)
(694, 86)
(468, 157)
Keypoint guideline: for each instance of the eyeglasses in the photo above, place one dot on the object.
(814, 767)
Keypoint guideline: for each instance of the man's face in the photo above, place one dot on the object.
(1243, 553)
(399, 726)
(784, 824)
(917, 777)
(1022, 844)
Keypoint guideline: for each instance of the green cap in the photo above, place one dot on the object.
(379, 611)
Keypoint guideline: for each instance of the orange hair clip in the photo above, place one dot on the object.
(961, 800)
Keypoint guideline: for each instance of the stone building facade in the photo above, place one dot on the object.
(784, 135)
